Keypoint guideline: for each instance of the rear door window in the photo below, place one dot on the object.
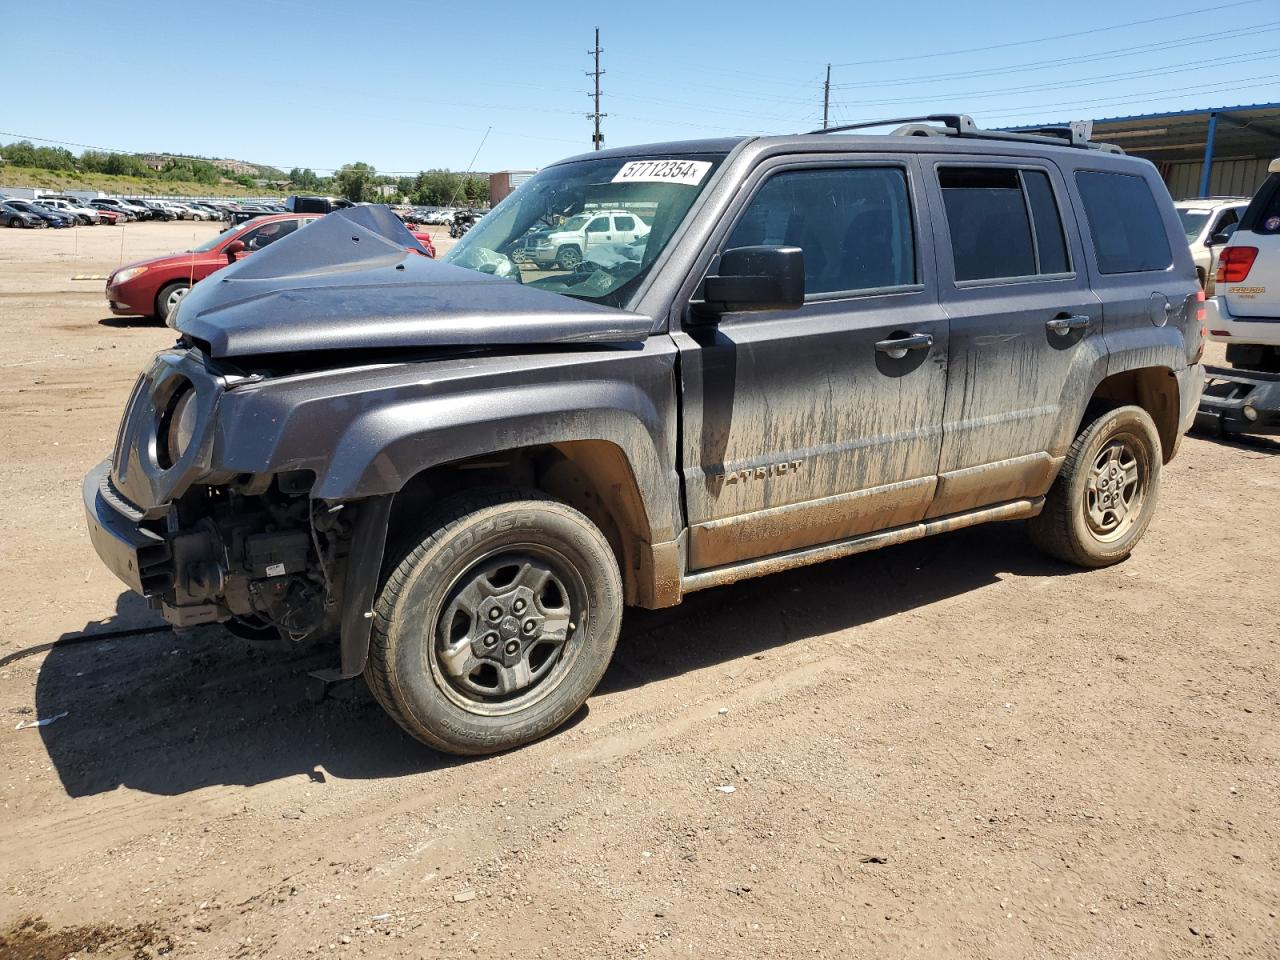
(1125, 223)
(1003, 223)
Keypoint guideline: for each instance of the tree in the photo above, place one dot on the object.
(304, 179)
(477, 190)
(355, 181)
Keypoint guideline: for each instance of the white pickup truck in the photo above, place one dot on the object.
(1245, 314)
(568, 244)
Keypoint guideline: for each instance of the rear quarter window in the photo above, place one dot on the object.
(1124, 221)
(1263, 212)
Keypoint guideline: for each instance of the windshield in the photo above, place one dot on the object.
(1192, 222)
(590, 229)
(212, 242)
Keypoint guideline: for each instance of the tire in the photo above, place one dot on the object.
(449, 658)
(15, 222)
(1114, 463)
(568, 257)
(168, 298)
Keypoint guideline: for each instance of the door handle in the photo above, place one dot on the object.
(1066, 323)
(897, 349)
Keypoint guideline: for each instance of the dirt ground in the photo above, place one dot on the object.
(948, 748)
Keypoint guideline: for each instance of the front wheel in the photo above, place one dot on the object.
(169, 297)
(568, 257)
(1104, 497)
(15, 221)
(495, 628)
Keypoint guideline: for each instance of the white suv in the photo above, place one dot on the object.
(569, 244)
(1208, 224)
(1245, 314)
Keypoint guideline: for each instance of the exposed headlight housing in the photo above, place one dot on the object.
(179, 427)
(124, 276)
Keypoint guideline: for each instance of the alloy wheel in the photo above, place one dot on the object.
(1115, 488)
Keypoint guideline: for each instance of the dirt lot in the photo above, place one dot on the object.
(949, 748)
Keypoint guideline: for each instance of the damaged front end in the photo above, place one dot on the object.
(251, 550)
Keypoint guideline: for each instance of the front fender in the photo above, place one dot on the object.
(366, 432)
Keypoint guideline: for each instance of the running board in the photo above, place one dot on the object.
(731, 573)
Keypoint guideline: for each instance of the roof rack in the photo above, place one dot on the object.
(961, 125)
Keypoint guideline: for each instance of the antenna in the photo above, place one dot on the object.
(597, 138)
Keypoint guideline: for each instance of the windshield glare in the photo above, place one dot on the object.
(590, 229)
(209, 244)
(1193, 222)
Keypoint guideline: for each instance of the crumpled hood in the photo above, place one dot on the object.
(352, 280)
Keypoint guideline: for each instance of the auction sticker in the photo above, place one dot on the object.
(689, 172)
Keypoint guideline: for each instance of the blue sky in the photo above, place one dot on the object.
(412, 84)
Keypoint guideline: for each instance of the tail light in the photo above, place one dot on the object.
(1235, 264)
(1200, 314)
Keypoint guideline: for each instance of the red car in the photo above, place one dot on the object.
(153, 288)
(423, 238)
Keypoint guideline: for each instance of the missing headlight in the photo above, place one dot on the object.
(177, 428)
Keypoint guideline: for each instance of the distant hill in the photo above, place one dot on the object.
(234, 167)
(11, 176)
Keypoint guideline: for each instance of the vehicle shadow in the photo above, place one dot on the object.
(754, 616)
(128, 323)
(1241, 441)
(167, 715)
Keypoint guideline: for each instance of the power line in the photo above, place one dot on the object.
(1254, 55)
(1198, 39)
(1116, 53)
(1057, 36)
(1246, 83)
(953, 97)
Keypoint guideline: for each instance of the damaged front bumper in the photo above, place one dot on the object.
(137, 555)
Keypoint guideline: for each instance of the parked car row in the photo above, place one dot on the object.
(435, 216)
(30, 214)
(60, 210)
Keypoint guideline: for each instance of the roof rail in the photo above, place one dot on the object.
(962, 125)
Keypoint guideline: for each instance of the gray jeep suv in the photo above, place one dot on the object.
(460, 472)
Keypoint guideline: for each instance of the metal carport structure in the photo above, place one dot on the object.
(1218, 151)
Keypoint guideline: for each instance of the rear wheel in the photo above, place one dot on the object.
(169, 297)
(1104, 497)
(496, 627)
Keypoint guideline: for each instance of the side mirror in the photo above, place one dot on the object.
(1222, 236)
(754, 278)
(233, 249)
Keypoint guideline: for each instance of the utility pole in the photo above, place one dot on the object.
(598, 137)
(826, 98)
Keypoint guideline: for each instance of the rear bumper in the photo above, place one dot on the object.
(1226, 327)
(1239, 401)
(139, 557)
